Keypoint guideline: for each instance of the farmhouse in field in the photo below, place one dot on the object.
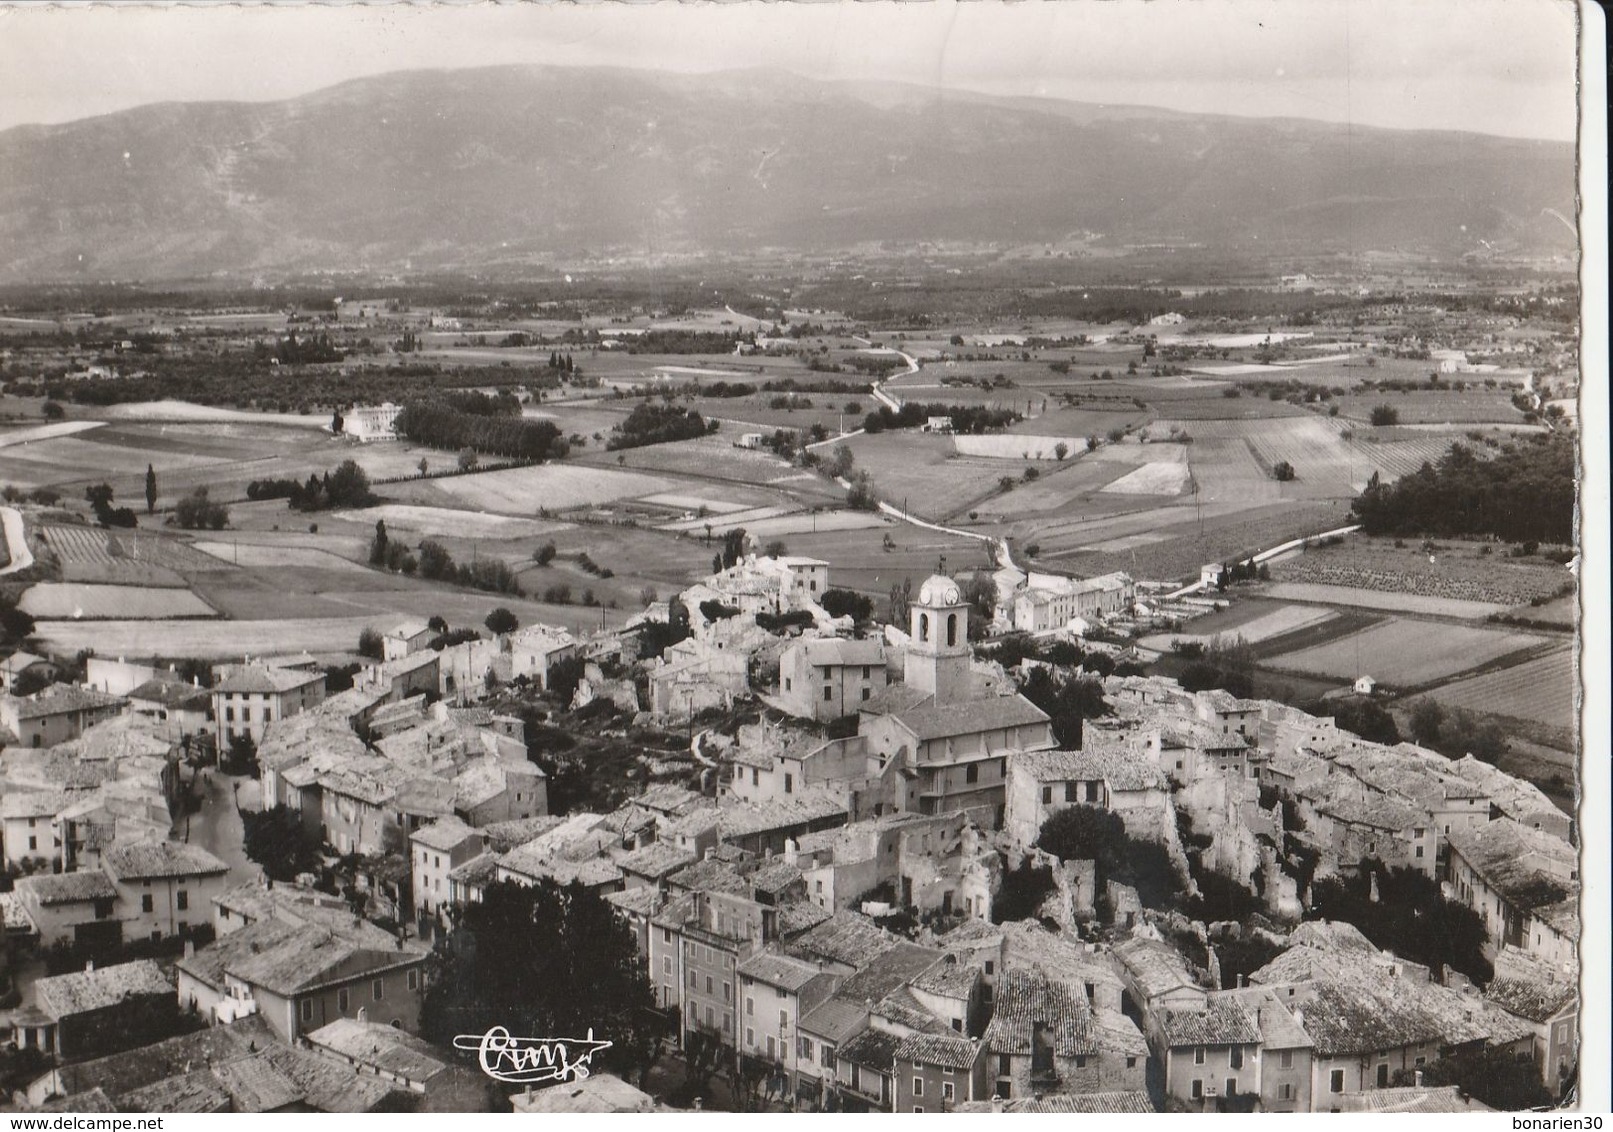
(372, 422)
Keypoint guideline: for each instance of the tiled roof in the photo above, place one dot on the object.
(1363, 1015)
(799, 916)
(161, 859)
(34, 804)
(1330, 935)
(881, 973)
(256, 1084)
(709, 875)
(1222, 1022)
(946, 1050)
(1513, 858)
(774, 877)
(1095, 1104)
(1029, 946)
(994, 713)
(1530, 998)
(382, 1046)
(261, 679)
(173, 694)
(1120, 771)
(1158, 967)
(1412, 1099)
(1116, 1034)
(947, 978)
(776, 969)
(1026, 1000)
(655, 860)
(747, 819)
(872, 1049)
(79, 992)
(845, 937)
(444, 834)
(479, 870)
(824, 651)
(196, 1091)
(900, 1007)
(68, 888)
(506, 835)
(288, 959)
(59, 699)
(835, 1019)
(1279, 1029)
(642, 901)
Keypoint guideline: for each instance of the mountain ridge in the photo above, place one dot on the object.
(449, 166)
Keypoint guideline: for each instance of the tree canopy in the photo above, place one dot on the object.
(1526, 492)
(545, 961)
(279, 843)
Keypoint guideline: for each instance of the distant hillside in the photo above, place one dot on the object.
(455, 168)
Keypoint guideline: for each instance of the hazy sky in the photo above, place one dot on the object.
(1497, 66)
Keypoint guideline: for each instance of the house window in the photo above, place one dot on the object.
(918, 1086)
(1285, 1091)
(1419, 851)
(1232, 1086)
(307, 1010)
(787, 683)
(413, 980)
(1198, 1055)
(1069, 792)
(971, 773)
(827, 1054)
(867, 672)
(728, 992)
(1197, 1090)
(947, 1091)
(789, 784)
(710, 988)
(666, 964)
(727, 1023)
(783, 1020)
(1081, 1061)
(1286, 1059)
(1383, 1075)
(693, 980)
(1131, 1063)
(229, 715)
(868, 693)
(750, 1036)
(1047, 795)
(1235, 1057)
(803, 1049)
(755, 776)
(828, 693)
(145, 902)
(957, 1024)
(182, 900)
(33, 843)
(1005, 1065)
(990, 966)
(341, 1000)
(1335, 1081)
(750, 1006)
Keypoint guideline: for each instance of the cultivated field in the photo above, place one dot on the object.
(447, 521)
(924, 475)
(10, 437)
(1253, 621)
(95, 554)
(302, 557)
(550, 487)
(1157, 477)
(207, 640)
(79, 600)
(1541, 690)
(1447, 406)
(1456, 570)
(1383, 599)
(1405, 653)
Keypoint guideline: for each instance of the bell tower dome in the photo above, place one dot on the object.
(937, 658)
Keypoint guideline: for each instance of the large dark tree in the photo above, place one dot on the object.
(1089, 833)
(550, 962)
(1067, 701)
(1410, 917)
(1495, 1077)
(279, 843)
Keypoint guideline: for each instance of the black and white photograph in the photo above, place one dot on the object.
(803, 558)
